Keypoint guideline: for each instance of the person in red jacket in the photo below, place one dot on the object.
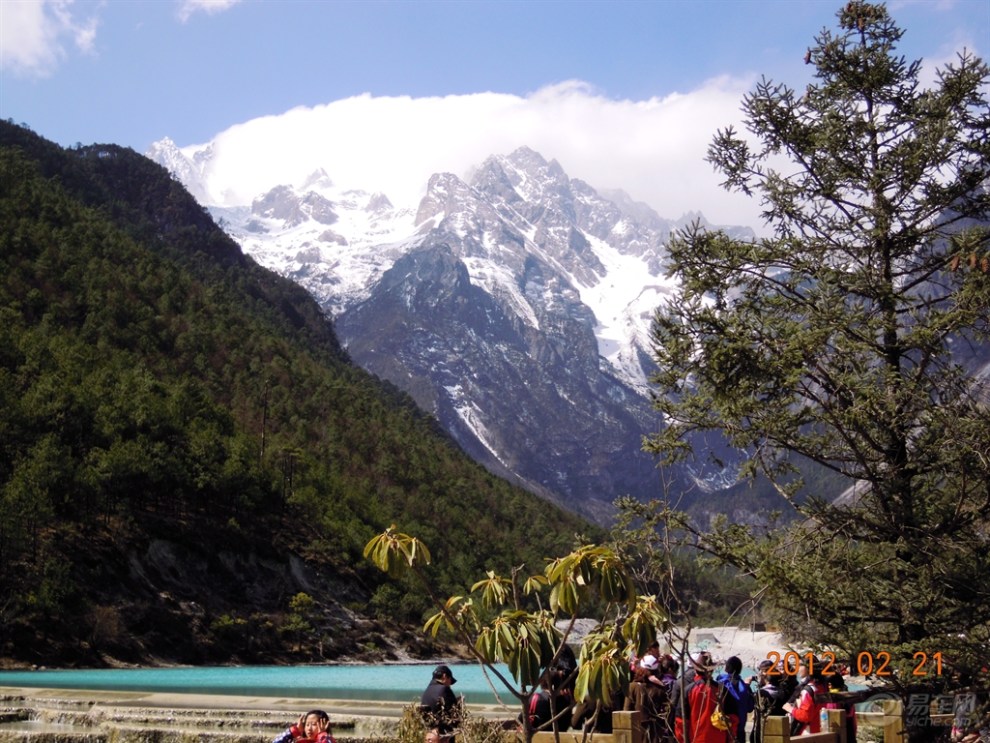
(313, 727)
(809, 699)
(696, 704)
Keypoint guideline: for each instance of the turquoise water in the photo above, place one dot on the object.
(369, 682)
(385, 682)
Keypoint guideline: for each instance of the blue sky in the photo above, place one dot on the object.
(131, 72)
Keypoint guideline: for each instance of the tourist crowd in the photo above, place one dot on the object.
(698, 704)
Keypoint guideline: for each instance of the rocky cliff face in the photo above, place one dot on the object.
(484, 324)
(158, 594)
(500, 385)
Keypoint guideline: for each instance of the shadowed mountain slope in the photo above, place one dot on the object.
(185, 448)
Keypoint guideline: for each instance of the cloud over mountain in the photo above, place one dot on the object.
(395, 143)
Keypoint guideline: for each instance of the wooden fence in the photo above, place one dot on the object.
(890, 719)
(626, 728)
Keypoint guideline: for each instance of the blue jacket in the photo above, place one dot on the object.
(740, 691)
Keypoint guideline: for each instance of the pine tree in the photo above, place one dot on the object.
(848, 339)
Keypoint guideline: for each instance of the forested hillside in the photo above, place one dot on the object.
(185, 450)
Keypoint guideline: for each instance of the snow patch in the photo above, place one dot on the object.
(471, 415)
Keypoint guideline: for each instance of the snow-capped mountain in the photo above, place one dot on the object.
(515, 305)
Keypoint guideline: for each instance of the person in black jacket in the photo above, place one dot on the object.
(440, 709)
(774, 690)
(541, 711)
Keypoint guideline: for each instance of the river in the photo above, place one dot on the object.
(386, 682)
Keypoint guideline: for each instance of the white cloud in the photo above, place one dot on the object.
(652, 149)
(945, 55)
(33, 34)
(211, 7)
(948, 51)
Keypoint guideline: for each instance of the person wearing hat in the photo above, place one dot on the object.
(648, 696)
(705, 712)
(652, 650)
(439, 707)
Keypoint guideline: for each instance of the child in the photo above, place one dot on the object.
(313, 727)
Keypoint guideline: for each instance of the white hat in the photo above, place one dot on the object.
(702, 661)
(649, 662)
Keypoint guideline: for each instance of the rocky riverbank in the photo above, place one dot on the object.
(64, 716)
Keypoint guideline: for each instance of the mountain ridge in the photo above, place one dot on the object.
(574, 277)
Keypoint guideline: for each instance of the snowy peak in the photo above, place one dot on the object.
(379, 203)
(283, 203)
(535, 179)
(543, 244)
(537, 199)
(515, 304)
(493, 180)
(445, 193)
(525, 179)
(318, 180)
(167, 154)
(550, 249)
